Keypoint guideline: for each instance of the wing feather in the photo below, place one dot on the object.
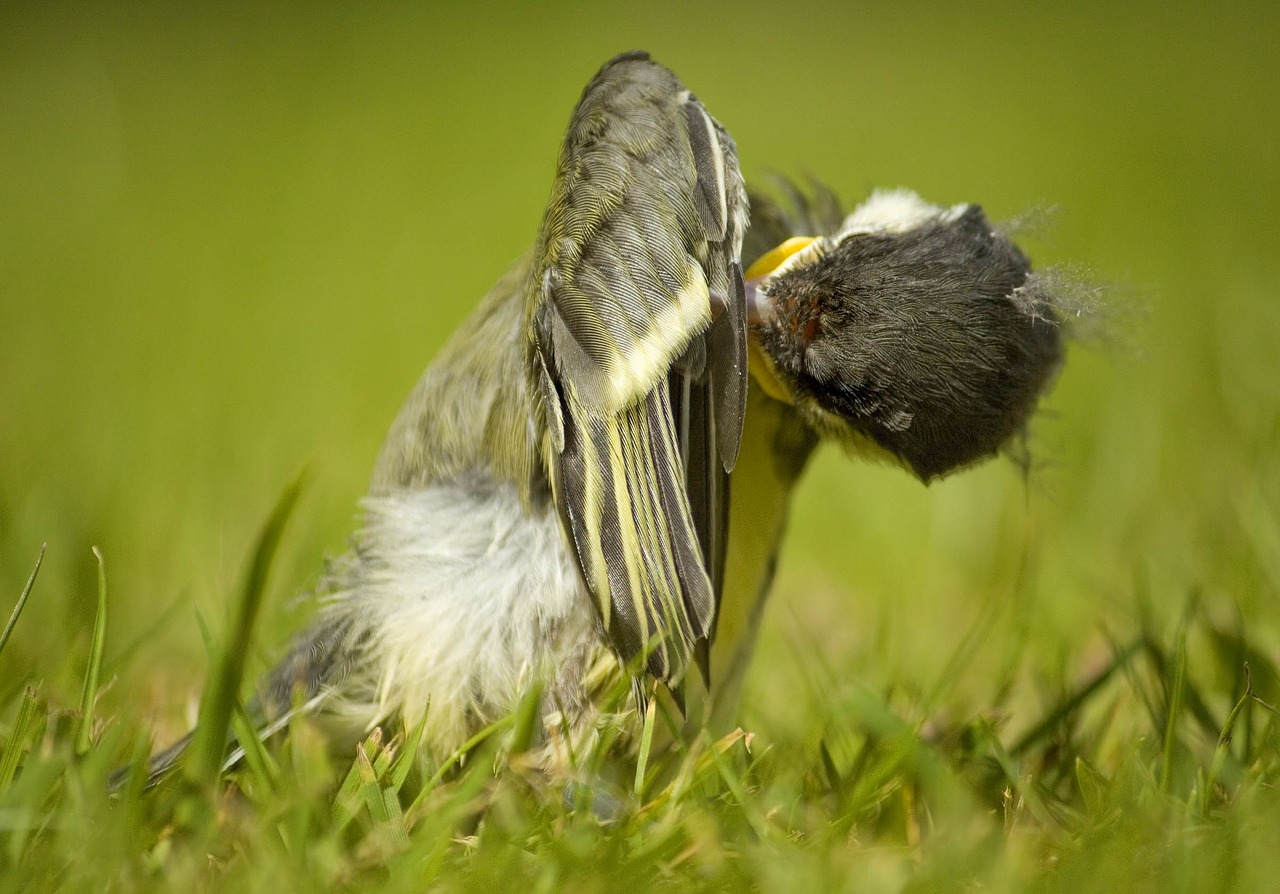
(640, 354)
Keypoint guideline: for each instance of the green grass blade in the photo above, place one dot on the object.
(1192, 702)
(1257, 699)
(1176, 689)
(347, 803)
(408, 755)
(527, 718)
(19, 735)
(457, 758)
(1071, 704)
(1024, 785)
(646, 745)
(256, 758)
(1094, 787)
(22, 599)
(368, 790)
(89, 695)
(381, 756)
(1223, 750)
(223, 688)
(718, 753)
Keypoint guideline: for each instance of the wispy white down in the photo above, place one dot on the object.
(462, 598)
(895, 211)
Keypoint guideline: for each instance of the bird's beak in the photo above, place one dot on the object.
(759, 310)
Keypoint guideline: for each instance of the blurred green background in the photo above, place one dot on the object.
(231, 239)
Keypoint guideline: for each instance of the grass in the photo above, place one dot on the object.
(1134, 775)
(208, 747)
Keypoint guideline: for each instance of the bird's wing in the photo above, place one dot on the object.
(643, 381)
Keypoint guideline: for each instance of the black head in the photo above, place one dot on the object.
(918, 327)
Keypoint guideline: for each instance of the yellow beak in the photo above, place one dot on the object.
(759, 362)
(772, 259)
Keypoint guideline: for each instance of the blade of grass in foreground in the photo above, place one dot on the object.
(409, 752)
(1069, 705)
(261, 766)
(646, 744)
(89, 695)
(22, 599)
(1224, 743)
(1177, 687)
(19, 735)
(205, 761)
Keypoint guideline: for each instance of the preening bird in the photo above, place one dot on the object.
(583, 482)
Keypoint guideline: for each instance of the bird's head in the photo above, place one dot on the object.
(918, 328)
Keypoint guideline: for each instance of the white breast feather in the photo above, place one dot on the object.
(463, 598)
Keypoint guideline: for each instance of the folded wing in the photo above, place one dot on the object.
(639, 347)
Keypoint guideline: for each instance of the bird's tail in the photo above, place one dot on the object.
(314, 667)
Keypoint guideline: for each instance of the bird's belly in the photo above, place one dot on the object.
(464, 597)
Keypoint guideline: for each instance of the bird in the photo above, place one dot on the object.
(904, 332)
(591, 481)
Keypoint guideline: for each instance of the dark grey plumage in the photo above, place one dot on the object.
(931, 340)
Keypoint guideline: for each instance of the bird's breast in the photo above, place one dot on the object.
(466, 595)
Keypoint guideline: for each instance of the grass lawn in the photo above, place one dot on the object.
(229, 242)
